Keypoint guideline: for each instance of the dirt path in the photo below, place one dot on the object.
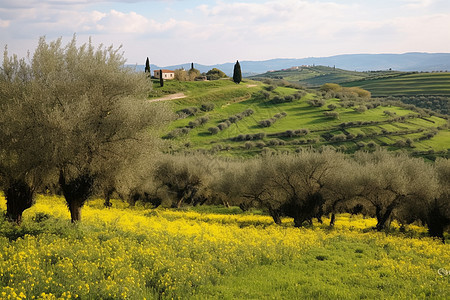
(169, 97)
(251, 85)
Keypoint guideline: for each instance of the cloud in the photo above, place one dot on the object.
(4, 23)
(418, 4)
(217, 31)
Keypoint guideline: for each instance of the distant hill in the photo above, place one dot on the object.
(356, 62)
(407, 84)
(313, 76)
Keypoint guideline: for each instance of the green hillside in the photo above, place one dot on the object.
(295, 123)
(407, 84)
(314, 76)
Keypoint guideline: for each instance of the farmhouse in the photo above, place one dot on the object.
(166, 74)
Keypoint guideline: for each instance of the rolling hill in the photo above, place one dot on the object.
(294, 120)
(315, 76)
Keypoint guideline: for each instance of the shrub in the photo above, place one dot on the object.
(400, 143)
(193, 124)
(222, 126)
(259, 136)
(316, 102)
(371, 144)
(299, 95)
(203, 120)
(248, 145)
(207, 107)
(338, 138)
(332, 114)
(190, 111)
(350, 136)
(332, 107)
(266, 123)
(270, 87)
(276, 142)
(248, 112)
(389, 113)
(233, 119)
(288, 98)
(360, 144)
(260, 144)
(213, 130)
(361, 109)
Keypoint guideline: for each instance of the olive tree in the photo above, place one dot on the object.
(438, 217)
(24, 150)
(429, 201)
(92, 115)
(341, 187)
(390, 181)
(299, 182)
(185, 177)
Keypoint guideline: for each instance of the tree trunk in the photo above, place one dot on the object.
(333, 214)
(383, 219)
(298, 222)
(275, 214)
(333, 219)
(76, 192)
(107, 193)
(19, 196)
(436, 222)
(180, 202)
(75, 210)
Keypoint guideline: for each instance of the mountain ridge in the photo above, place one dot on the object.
(411, 61)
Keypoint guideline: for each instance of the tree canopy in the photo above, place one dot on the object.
(237, 74)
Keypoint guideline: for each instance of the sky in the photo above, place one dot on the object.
(172, 32)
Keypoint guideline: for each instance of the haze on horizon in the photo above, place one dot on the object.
(172, 32)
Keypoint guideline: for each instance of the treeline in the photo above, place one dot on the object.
(438, 104)
(310, 184)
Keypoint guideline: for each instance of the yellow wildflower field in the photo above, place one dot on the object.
(138, 253)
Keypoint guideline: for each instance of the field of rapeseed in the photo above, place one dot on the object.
(121, 253)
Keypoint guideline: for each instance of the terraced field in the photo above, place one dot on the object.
(407, 84)
(297, 124)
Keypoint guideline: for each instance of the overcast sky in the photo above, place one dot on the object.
(208, 32)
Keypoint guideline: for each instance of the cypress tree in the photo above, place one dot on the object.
(161, 80)
(237, 74)
(192, 66)
(147, 67)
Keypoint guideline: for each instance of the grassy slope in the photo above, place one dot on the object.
(407, 84)
(139, 253)
(230, 99)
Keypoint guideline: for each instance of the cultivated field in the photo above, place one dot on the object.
(141, 253)
(407, 84)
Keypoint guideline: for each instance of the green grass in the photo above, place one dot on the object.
(348, 268)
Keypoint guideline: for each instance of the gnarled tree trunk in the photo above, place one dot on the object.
(384, 219)
(276, 215)
(436, 222)
(76, 192)
(19, 196)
